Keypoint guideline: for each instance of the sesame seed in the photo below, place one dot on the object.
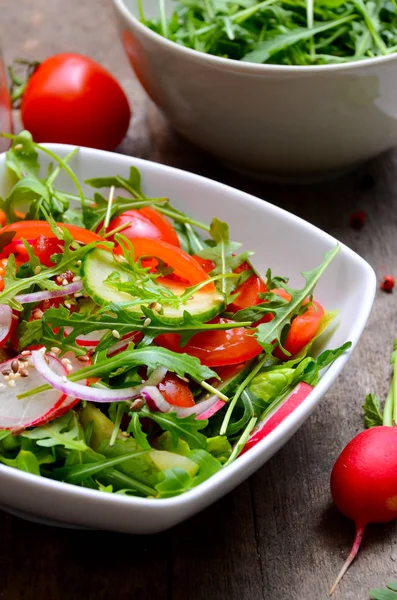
(11, 383)
(6, 372)
(18, 147)
(147, 322)
(55, 350)
(84, 358)
(67, 304)
(16, 375)
(25, 353)
(65, 361)
(115, 334)
(51, 354)
(78, 263)
(15, 365)
(37, 270)
(6, 378)
(23, 359)
(23, 373)
(15, 317)
(65, 282)
(69, 368)
(76, 278)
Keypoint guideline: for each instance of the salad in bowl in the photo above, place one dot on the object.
(142, 351)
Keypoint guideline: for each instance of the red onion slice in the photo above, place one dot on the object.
(83, 392)
(65, 290)
(203, 410)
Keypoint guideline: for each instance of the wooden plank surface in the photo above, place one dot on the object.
(277, 536)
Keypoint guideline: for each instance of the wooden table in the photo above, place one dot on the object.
(277, 536)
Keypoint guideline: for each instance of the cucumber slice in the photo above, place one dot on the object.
(99, 264)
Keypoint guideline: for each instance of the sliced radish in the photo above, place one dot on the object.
(35, 410)
(296, 397)
(90, 340)
(5, 323)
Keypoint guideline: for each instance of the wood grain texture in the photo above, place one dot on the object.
(277, 536)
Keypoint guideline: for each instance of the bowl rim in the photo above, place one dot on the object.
(278, 435)
(247, 67)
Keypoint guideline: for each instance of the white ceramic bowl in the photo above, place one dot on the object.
(286, 243)
(267, 120)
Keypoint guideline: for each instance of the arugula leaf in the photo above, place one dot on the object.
(222, 252)
(135, 428)
(187, 428)
(384, 594)
(208, 465)
(176, 481)
(77, 473)
(372, 413)
(116, 317)
(24, 461)
(64, 431)
(262, 51)
(131, 185)
(39, 332)
(22, 157)
(269, 334)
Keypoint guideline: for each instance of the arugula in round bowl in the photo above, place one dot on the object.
(142, 351)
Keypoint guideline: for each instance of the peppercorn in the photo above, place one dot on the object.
(357, 219)
(387, 283)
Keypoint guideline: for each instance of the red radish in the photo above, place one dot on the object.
(364, 483)
(6, 322)
(35, 410)
(296, 397)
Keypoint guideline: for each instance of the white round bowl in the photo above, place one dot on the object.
(267, 120)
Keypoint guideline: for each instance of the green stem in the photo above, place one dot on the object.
(109, 208)
(245, 14)
(182, 218)
(214, 391)
(117, 423)
(242, 441)
(239, 391)
(388, 410)
(50, 180)
(163, 19)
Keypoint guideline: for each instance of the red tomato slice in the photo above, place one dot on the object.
(176, 391)
(216, 348)
(44, 247)
(205, 263)
(145, 223)
(31, 230)
(247, 291)
(184, 265)
(303, 329)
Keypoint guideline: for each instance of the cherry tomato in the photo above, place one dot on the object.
(205, 263)
(247, 291)
(216, 348)
(145, 223)
(31, 230)
(176, 391)
(185, 266)
(71, 99)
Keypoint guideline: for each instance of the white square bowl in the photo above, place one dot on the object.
(282, 241)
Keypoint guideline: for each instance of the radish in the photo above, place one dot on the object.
(296, 397)
(6, 322)
(364, 477)
(364, 483)
(35, 410)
